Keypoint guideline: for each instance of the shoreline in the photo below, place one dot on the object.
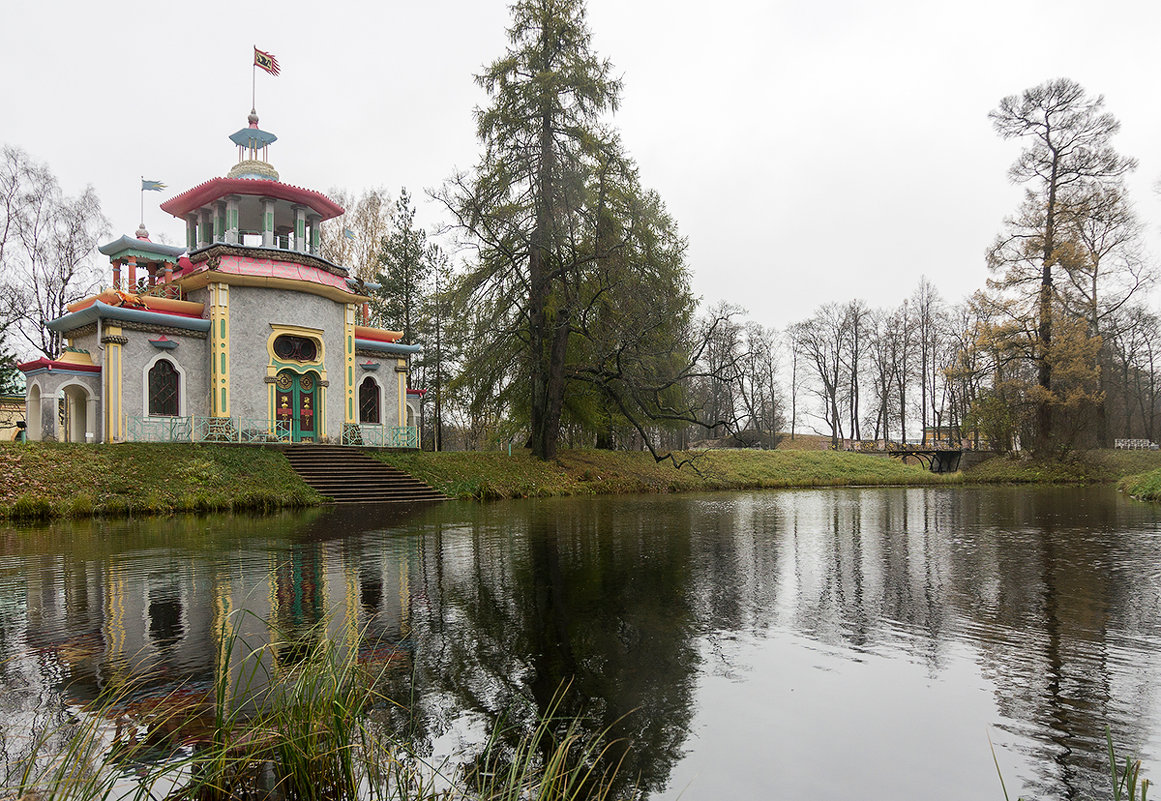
(44, 481)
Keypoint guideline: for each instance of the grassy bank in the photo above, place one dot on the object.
(493, 475)
(1143, 486)
(1081, 467)
(44, 480)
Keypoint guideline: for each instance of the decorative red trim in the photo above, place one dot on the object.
(43, 363)
(215, 188)
(418, 392)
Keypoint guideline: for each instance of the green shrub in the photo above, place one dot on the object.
(82, 505)
(32, 507)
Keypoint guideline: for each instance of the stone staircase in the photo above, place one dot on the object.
(350, 476)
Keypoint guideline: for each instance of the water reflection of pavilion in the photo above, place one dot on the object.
(118, 609)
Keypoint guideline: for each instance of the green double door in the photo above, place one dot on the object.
(296, 403)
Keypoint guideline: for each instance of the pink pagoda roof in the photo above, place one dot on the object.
(215, 188)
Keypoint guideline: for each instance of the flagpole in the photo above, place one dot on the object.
(142, 201)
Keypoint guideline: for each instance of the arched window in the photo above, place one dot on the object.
(369, 401)
(164, 386)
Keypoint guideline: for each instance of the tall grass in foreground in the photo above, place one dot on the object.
(284, 732)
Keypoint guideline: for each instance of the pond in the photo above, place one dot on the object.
(850, 643)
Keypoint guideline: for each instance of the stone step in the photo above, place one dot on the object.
(349, 476)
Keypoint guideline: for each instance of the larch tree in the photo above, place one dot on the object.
(524, 202)
(580, 287)
(1068, 146)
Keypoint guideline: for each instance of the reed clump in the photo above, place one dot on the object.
(293, 722)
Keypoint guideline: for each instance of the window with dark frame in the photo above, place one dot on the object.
(164, 387)
(295, 349)
(369, 401)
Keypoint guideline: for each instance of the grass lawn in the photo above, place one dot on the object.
(46, 479)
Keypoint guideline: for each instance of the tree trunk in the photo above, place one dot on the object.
(544, 430)
(1044, 330)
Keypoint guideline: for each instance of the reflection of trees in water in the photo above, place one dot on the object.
(569, 596)
(1042, 591)
(1032, 577)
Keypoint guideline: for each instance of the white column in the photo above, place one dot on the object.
(300, 228)
(267, 222)
(91, 420)
(232, 219)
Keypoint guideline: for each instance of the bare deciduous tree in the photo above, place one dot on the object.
(47, 245)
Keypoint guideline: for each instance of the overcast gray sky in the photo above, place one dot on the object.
(810, 151)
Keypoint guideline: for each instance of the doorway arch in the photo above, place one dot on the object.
(32, 414)
(296, 404)
(77, 425)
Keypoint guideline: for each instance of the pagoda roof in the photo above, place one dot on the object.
(253, 137)
(215, 188)
(99, 310)
(392, 348)
(141, 248)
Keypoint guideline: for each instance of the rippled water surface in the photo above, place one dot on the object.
(825, 643)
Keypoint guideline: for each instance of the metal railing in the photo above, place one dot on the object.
(198, 428)
(1135, 445)
(380, 436)
(256, 431)
(158, 429)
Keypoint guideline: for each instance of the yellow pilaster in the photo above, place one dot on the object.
(114, 422)
(219, 350)
(401, 379)
(114, 623)
(349, 338)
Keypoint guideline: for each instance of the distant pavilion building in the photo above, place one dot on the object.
(246, 334)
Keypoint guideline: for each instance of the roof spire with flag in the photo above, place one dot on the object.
(266, 61)
(147, 186)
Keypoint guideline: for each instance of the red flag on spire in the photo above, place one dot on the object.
(266, 61)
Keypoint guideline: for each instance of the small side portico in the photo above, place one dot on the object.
(62, 401)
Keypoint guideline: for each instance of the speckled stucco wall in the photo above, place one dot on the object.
(253, 313)
(191, 357)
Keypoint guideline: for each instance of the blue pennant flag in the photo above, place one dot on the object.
(348, 233)
(151, 186)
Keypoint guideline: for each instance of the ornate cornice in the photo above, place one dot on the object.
(162, 329)
(213, 254)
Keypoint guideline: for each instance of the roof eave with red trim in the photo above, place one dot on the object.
(51, 364)
(217, 188)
